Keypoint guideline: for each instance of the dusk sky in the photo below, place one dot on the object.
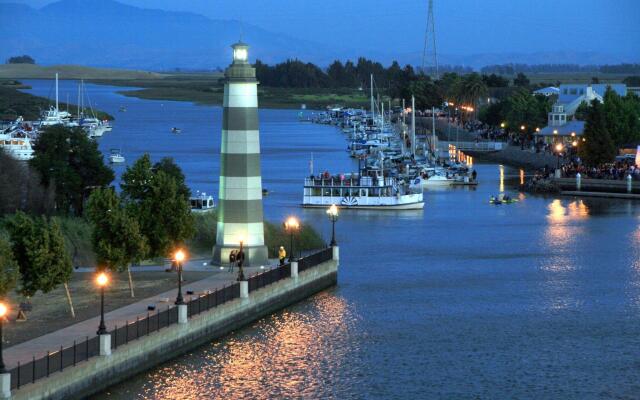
(462, 26)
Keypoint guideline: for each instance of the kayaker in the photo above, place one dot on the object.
(282, 254)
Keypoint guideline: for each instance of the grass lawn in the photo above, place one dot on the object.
(51, 310)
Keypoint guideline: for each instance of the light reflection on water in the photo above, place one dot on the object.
(290, 355)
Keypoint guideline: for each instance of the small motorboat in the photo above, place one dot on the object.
(265, 192)
(122, 109)
(176, 130)
(116, 157)
(502, 199)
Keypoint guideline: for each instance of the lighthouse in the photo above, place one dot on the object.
(240, 217)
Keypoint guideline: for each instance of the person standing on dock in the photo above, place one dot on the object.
(282, 255)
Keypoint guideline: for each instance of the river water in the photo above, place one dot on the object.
(538, 299)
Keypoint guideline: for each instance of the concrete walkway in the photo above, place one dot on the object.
(24, 352)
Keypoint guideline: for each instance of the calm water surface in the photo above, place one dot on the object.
(538, 299)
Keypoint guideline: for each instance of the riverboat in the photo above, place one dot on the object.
(202, 203)
(369, 189)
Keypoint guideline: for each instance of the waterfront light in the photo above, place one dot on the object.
(502, 125)
(240, 52)
(179, 257)
(3, 313)
(573, 134)
(522, 127)
(537, 129)
(574, 143)
(555, 131)
(291, 224)
(559, 147)
(102, 280)
(332, 212)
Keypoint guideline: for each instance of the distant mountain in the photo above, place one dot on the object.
(106, 33)
(109, 33)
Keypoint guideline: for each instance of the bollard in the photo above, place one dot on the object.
(105, 344)
(558, 173)
(336, 253)
(183, 314)
(5, 385)
(629, 183)
(244, 289)
(578, 181)
(294, 269)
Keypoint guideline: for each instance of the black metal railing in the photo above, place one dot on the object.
(66, 357)
(265, 278)
(210, 300)
(314, 259)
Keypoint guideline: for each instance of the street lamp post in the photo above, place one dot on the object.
(3, 313)
(332, 212)
(559, 148)
(102, 279)
(291, 224)
(179, 257)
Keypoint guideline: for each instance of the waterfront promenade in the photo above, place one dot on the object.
(38, 347)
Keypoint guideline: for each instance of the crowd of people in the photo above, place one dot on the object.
(615, 171)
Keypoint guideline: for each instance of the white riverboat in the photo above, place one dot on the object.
(367, 190)
(116, 157)
(17, 144)
(202, 203)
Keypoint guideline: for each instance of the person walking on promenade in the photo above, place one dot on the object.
(282, 254)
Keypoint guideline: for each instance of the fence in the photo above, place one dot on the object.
(315, 259)
(63, 358)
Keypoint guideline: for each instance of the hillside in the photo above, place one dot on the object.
(108, 33)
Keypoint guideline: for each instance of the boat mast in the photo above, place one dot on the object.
(433, 130)
(57, 110)
(413, 125)
(373, 111)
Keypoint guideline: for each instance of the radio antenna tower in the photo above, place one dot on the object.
(430, 60)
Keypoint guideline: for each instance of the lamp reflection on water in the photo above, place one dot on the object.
(563, 229)
(288, 355)
(501, 178)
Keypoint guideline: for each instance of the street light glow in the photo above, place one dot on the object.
(3, 310)
(574, 143)
(333, 211)
(502, 125)
(292, 223)
(102, 279)
(522, 127)
(559, 147)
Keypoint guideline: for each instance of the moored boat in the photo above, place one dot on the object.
(367, 190)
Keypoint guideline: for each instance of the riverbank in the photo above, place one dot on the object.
(208, 90)
(214, 310)
(514, 157)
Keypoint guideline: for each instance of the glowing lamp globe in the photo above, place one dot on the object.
(3, 310)
(102, 279)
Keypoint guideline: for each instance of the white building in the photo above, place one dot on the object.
(548, 91)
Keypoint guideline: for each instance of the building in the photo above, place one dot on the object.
(548, 91)
(560, 122)
(240, 216)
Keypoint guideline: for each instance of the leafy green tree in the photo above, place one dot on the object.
(69, 161)
(116, 238)
(492, 114)
(136, 180)
(524, 109)
(622, 115)
(165, 216)
(39, 248)
(9, 270)
(169, 167)
(426, 93)
(598, 147)
(158, 198)
(521, 80)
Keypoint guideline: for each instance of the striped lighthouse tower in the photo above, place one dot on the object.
(240, 195)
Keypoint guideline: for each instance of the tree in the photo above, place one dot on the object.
(25, 59)
(159, 203)
(632, 81)
(21, 188)
(9, 271)
(165, 216)
(168, 166)
(39, 249)
(70, 162)
(521, 80)
(598, 147)
(523, 108)
(116, 237)
(495, 81)
(493, 114)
